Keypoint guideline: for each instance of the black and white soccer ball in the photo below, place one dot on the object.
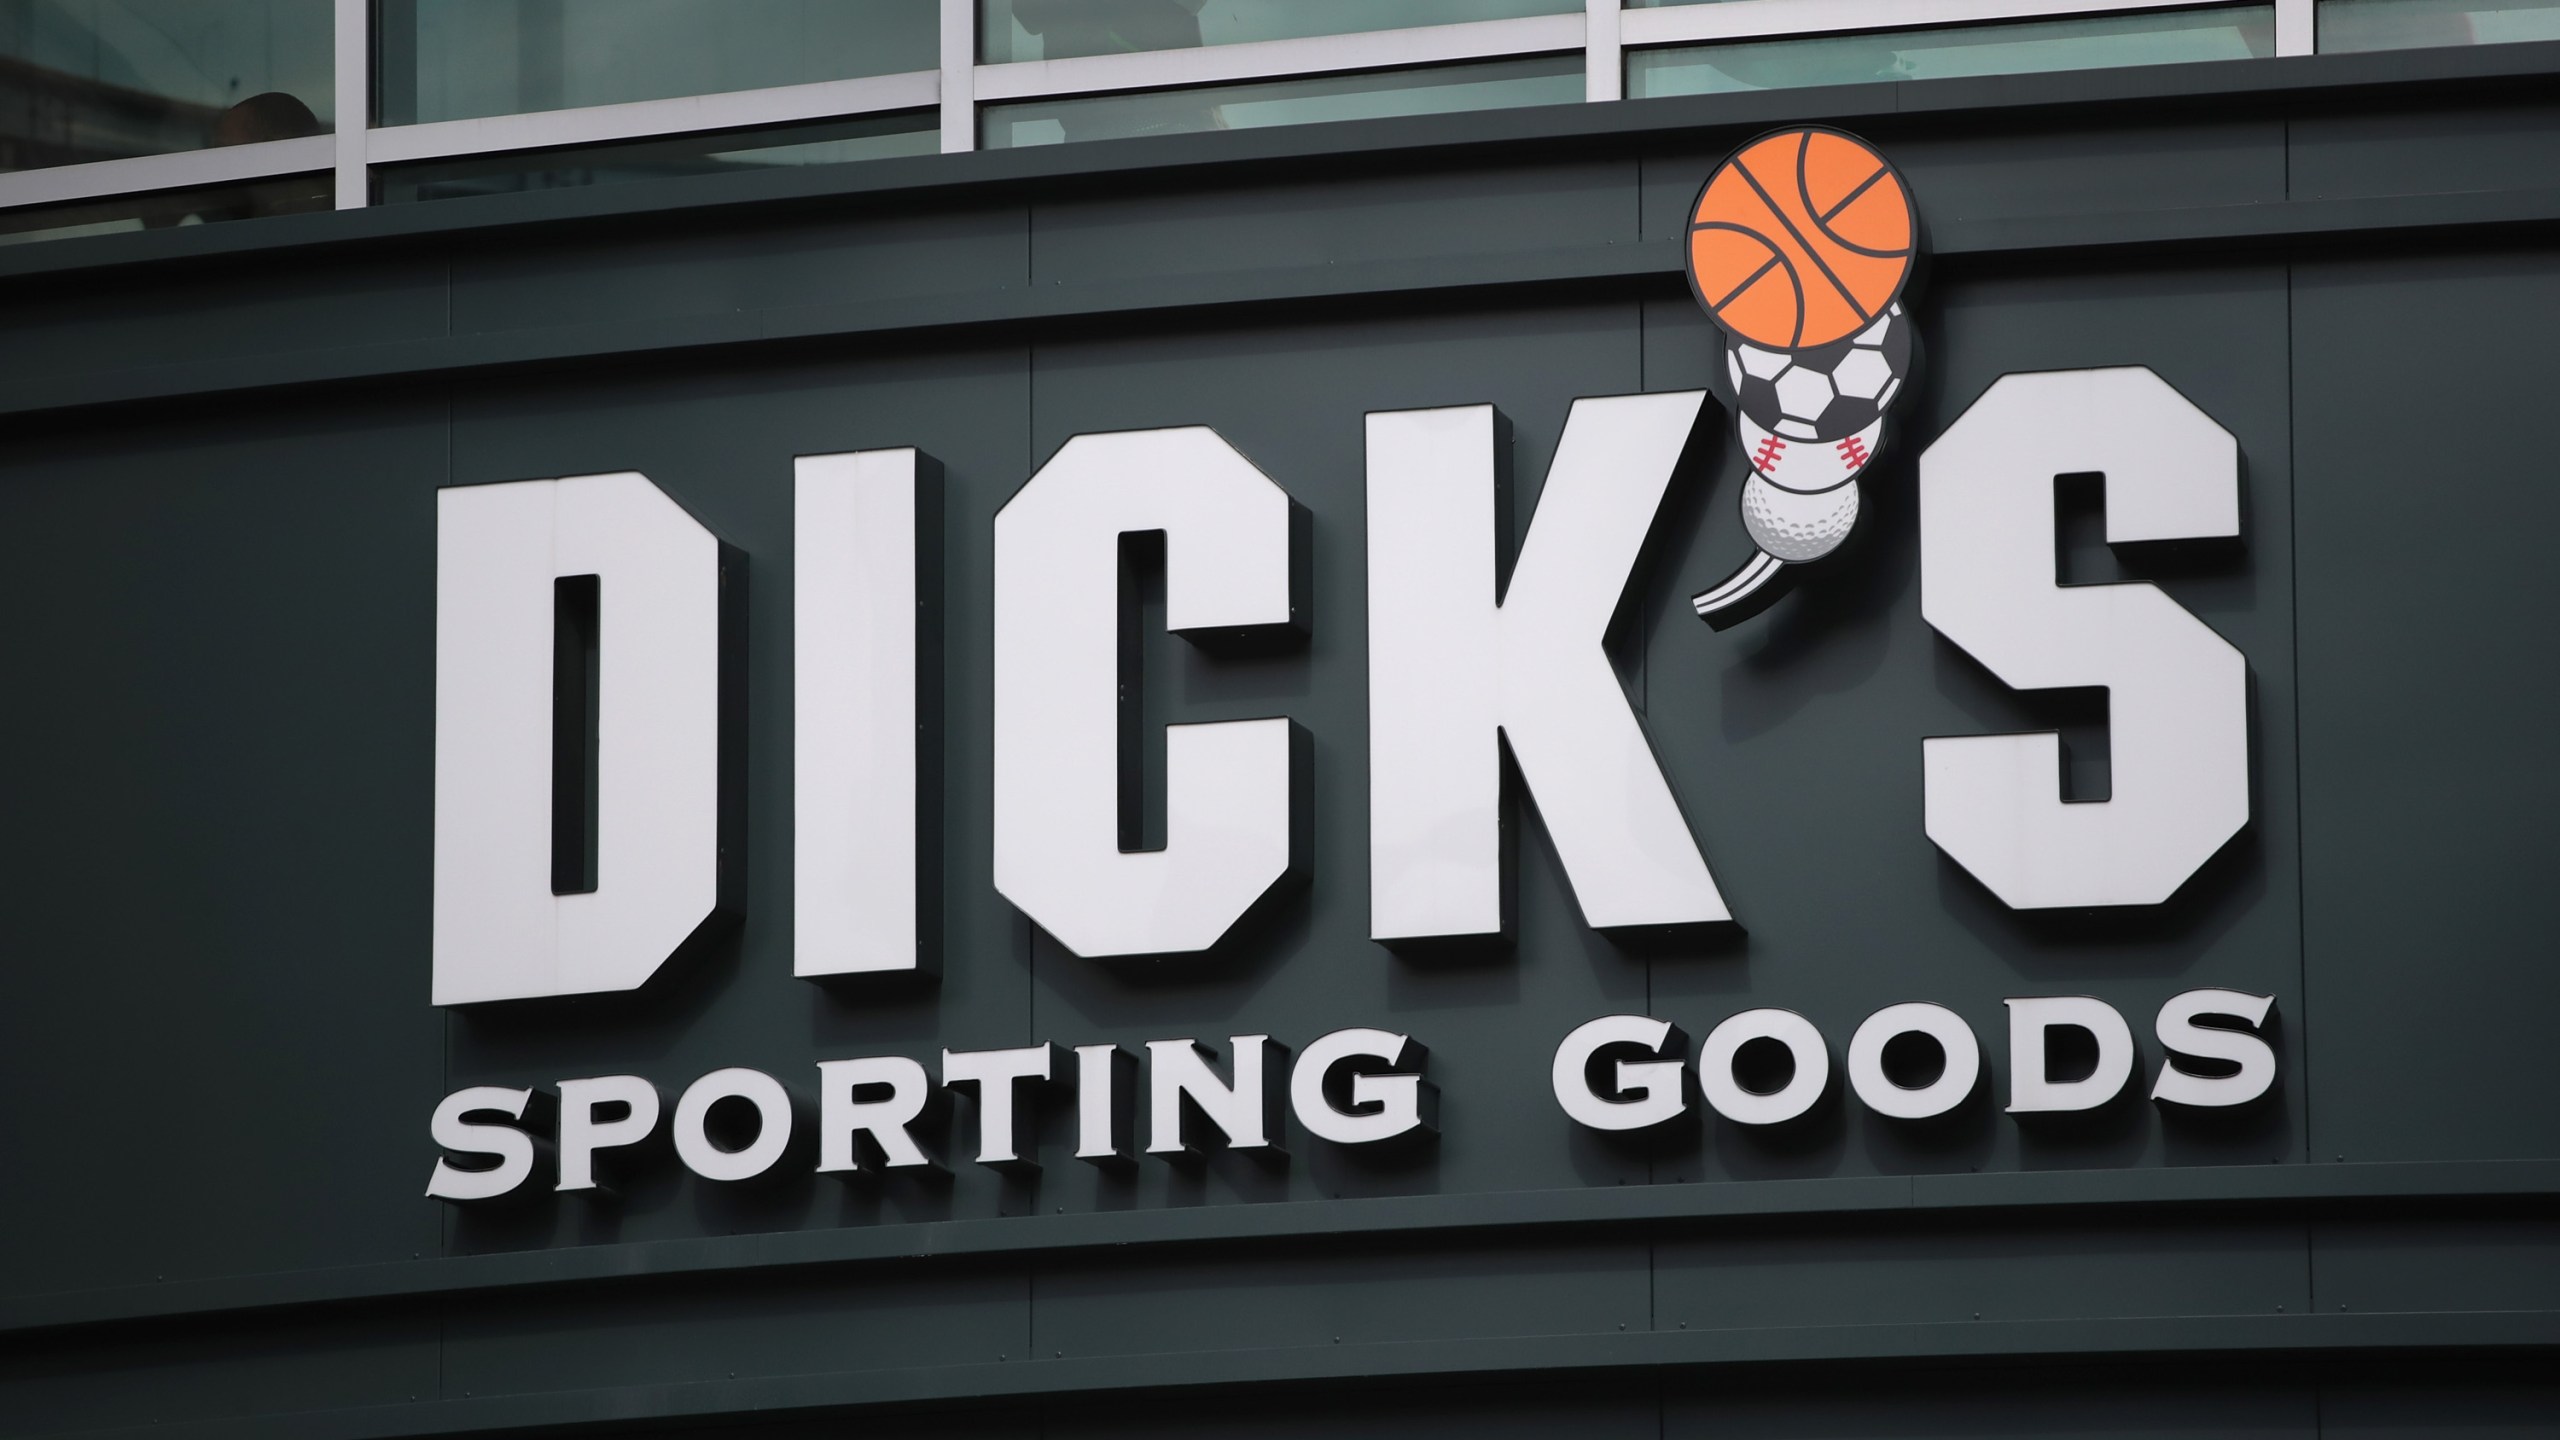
(1827, 393)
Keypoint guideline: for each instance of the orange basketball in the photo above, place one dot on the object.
(1800, 238)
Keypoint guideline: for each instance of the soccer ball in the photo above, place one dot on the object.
(1827, 393)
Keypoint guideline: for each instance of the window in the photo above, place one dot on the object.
(1546, 81)
(2411, 24)
(105, 104)
(2146, 38)
(870, 138)
(84, 80)
(465, 59)
(1063, 29)
(283, 195)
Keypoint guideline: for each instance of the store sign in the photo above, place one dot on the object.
(589, 765)
(1455, 670)
(1802, 246)
(1357, 1087)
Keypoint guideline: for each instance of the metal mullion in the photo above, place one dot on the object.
(1603, 65)
(2297, 27)
(1760, 19)
(351, 38)
(958, 96)
(1274, 59)
(178, 170)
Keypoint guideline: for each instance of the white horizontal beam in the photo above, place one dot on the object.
(655, 119)
(1275, 59)
(1762, 19)
(183, 170)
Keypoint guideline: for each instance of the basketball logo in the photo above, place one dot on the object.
(1801, 238)
(1800, 246)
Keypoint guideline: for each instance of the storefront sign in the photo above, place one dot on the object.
(589, 745)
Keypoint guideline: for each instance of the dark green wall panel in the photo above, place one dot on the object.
(1993, 1406)
(1481, 1412)
(1342, 1294)
(2429, 777)
(1947, 1273)
(247, 1368)
(2401, 149)
(126, 322)
(2472, 1412)
(2496, 1262)
(218, 844)
(877, 253)
(717, 1331)
(1433, 213)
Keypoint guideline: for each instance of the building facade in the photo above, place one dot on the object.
(767, 718)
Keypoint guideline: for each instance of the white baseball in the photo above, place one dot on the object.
(1806, 466)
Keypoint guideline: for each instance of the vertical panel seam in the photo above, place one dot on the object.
(444, 1018)
(2302, 828)
(2301, 836)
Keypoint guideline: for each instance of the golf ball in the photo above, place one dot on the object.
(1797, 527)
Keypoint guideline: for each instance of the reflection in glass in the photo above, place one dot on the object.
(2413, 24)
(285, 195)
(1553, 80)
(462, 59)
(2153, 38)
(85, 80)
(870, 138)
(1061, 29)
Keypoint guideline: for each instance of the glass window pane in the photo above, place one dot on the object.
(284, 195)
(462, 59)
(88, 80)
(1547, 80)
(2150, 38)
(1059, 29)
(2410, 24)
(869, 138)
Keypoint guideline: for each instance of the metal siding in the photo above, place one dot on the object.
(669, 272)
(2428, 772)
(95, 324)
(218, 835)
